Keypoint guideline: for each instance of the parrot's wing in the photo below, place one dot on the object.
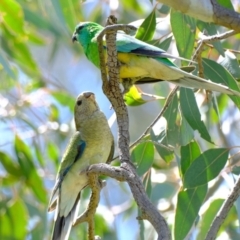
(143, 80)
(110, 157)
(128, 44)
(73, 152)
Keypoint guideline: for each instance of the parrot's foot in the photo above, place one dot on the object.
(127, 84)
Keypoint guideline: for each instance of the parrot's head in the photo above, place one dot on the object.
(85, 107)
(85, 31)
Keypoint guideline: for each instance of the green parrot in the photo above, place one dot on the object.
(91, 143)
(141, 62)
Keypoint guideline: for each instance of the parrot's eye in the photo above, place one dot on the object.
(79, 28)
(79, 102)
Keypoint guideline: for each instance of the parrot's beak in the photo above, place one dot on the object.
(74, 37)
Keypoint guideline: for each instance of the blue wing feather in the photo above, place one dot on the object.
(80, 146)
(80, 149)
(129, 44)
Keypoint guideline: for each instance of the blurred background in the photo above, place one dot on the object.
(41, 74)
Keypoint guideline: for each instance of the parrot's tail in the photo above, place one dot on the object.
(193, 81)
(63, 224)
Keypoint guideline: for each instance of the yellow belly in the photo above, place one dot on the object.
(129, 68)
(134, 66)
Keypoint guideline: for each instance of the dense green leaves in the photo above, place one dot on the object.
(12, 15)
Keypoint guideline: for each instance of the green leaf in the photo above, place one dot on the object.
(148, 183)
(165, 44)
(12, 16)
(147, 29)
(188, 154)
(143, 156)
(226, 4)
(14, 220)
(101, 226)
(188, 204)
(211, 30)
(184, 29)
(230, 62)
(205, 167)
(10, 166)
(216, 109)
(191, 113)
(172, 129)
(32, 178)
(217, 73)
(171, 113)
(208, 217)
(162, 141)
(186, 132)
(133, 97)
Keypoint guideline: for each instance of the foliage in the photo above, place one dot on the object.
(182, 161)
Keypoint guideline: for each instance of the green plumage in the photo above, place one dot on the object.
(141, 62)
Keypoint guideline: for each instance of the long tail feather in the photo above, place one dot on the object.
(191, 81)
(63, 224)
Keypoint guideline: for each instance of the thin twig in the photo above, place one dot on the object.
(88, 215)
(222, 214)
(226, 49)
(217, 37)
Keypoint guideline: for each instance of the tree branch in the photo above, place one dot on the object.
(222, 214)
(207, 11)
(88, 215)
(113, 92)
